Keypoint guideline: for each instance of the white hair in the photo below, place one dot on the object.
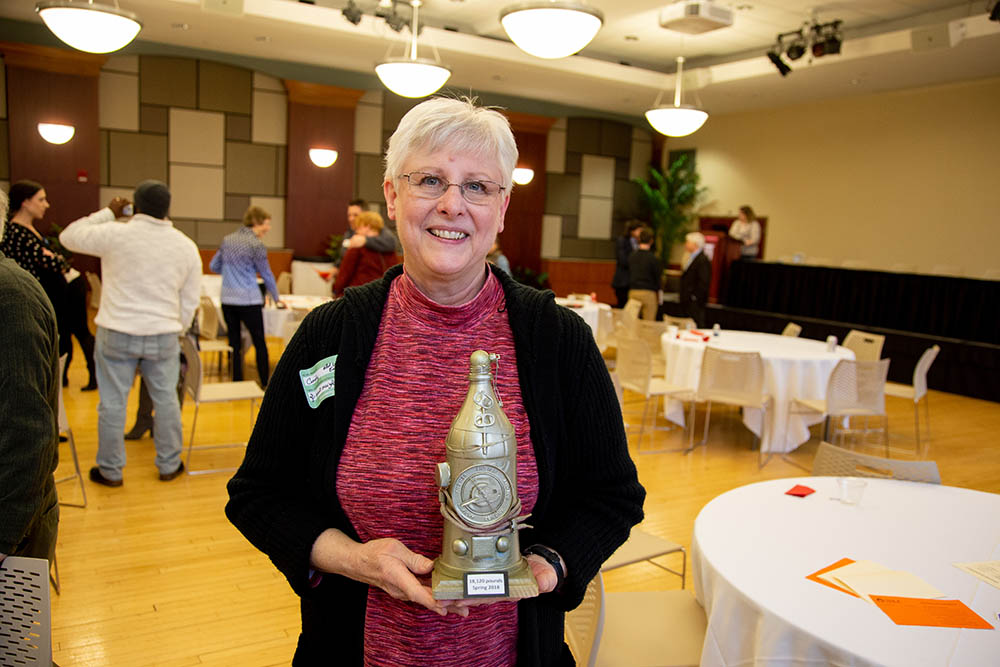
(460, 125)
(4, 203)
(696, 238)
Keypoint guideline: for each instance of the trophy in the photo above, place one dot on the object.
(477, 487)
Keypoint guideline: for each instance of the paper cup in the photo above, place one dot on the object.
(851, 490)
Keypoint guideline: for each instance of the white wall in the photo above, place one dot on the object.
(902, 177)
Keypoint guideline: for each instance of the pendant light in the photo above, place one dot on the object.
(413, 76)
(89, 26)
(551, 28)
(678, 120)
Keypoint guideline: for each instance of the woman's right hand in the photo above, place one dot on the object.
(386, 563)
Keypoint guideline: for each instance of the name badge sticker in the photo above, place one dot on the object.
(485, 585)
(318, 381)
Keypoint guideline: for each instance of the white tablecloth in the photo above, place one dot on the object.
(793, 368)
(299, 305)
(753, 547)
(588, 310)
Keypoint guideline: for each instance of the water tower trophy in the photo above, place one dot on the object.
(477, 487)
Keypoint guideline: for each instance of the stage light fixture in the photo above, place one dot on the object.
(797, 48)
(352, 12)
(774, 55)
(395, 21)
(826, 39)
(995, 14)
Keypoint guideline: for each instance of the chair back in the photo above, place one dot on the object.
(682, 323)
(652, 332)
(634, 363)
(63, 419)
(832, 461)
(605, 328)
(208, 319)
(95, 289)
(731, 377)
(630, 314)
(792, 329)
(585, 624)
(193, 377)
(857, 387)
(920, 372)
(284, 283)
(866, 346)
(26, 630)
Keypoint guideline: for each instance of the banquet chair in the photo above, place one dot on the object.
(791, 329)
(665, 628)
(917, 392)
(215, 392)
(632, 309)
(641, 546)
(605, 330)
(284, 283)
(855, 389)
(733, 378)
(634, 370)
(64, 427)
(833, 461)
(25, 612)
(652, 333)
(866, 346)
(208, 332)
(95, 289)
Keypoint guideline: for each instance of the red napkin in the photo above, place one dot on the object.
(800, 491)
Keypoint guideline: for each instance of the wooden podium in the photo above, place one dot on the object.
(724, 251)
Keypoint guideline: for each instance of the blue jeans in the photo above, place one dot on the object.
(158, 357)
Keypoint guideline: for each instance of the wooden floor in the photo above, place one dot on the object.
(153, 573)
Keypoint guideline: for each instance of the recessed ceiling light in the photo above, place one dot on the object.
(743, 8)
(631, 38)
(262, 38)
(179, 26)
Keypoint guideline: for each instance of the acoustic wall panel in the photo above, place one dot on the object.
(250, 168)
(153, 118)
(122, 63)
(642, 154)
(196, 137)
(197, 192)
(135, 157)
(555, 150)
(267, 82)
(224, 87)
(118, 101)
(269, 122)
(368, 124)
(551, 236)
(597, 176)
(211, 232)
(595, 218)
(170, 82)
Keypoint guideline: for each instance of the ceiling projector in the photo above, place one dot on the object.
(695, 16)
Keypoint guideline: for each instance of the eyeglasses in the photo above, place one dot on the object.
(429, 186)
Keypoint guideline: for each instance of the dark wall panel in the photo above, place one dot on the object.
(522, 236)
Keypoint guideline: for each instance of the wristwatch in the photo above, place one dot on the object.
(552, 558)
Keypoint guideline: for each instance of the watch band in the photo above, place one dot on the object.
(552, 558)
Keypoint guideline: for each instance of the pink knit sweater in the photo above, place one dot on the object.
(414, 386)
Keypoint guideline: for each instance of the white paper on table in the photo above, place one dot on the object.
(988, 571)
(888, 582)
(857, 567)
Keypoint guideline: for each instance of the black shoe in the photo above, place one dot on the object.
(138, 430)
(166, 477)
(63, 438)
(92, 385)
(96, 476)
(66, 379)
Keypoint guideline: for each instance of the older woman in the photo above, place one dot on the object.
(362, 264)
(25, 245)
(342, 497)
(746, 229)
(239, 259)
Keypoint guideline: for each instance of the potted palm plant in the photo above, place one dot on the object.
(670, 199)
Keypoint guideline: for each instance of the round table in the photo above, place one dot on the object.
(753, 547)
(588, 310)
(793, 368)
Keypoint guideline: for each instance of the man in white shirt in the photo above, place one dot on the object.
(151, 285)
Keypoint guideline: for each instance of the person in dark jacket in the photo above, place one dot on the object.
(337, 485)
(644, 274)
(696, 279)
(625, 245)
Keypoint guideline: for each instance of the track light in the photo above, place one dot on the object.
(774, 56)
(352, 12)
(995, 14)
(797, 48)
(395, 21)
(826, 39)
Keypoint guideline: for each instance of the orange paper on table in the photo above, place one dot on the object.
(933, 613)
(840, 563)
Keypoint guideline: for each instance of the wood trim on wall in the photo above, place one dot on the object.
(581, 276)
(279, 260)
(51, 59)
(318, 94)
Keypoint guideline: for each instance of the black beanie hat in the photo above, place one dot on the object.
(152, 198)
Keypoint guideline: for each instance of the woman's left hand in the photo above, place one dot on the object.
(545, 577)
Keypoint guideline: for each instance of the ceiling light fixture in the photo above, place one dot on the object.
(797, 48)
(523, 175)
(322, 157)
(551, 28)
(352, 12)
(56, 133)
(678, 120)
(826, 39)
(412, 77)
(89, 26)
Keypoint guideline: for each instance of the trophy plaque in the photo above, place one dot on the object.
(477, 488)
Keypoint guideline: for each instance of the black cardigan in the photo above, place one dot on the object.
(284, 494)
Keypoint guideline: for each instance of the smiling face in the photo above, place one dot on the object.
(36, 205)
(445, 240)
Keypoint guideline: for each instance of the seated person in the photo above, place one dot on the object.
(362, 264)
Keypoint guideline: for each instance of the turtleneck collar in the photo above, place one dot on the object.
(489, 299)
